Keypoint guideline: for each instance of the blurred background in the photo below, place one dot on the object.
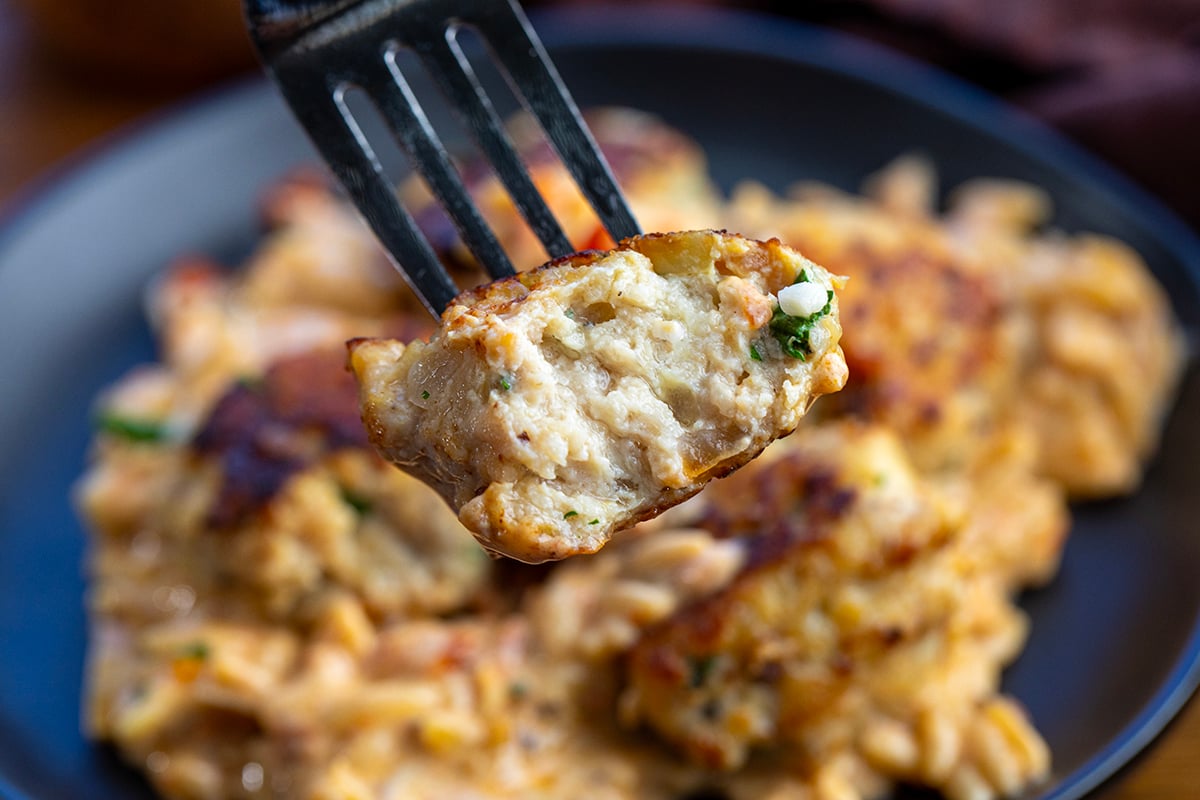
(1120, 77)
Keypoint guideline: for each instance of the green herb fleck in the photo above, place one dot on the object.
(801, 277)
(197, 651)
(360, 504)
(135, 430)
(251, 383)
(571, 513)
(505, 383)
(754, 354)
(702, 668)
(425, 395)
(570, 312)
(594, 522)
(792, 332)
(472, 552)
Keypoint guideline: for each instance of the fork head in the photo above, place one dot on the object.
(317, 50)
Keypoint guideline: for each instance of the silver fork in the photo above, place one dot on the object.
(316, 50)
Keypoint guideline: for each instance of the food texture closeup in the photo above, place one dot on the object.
(278, 612)
(556, 407)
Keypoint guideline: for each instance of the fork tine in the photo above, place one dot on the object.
(328, 122)
(316, 48)
(518, 48)
(413, 131)
(453, 72)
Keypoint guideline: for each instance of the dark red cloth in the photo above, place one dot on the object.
(1121, 77)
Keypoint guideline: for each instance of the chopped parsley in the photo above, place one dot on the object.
(131, 428)
(702, 667)
(196, 651)
(425, 395)
(505, 383)
(792, 332)
(754, 354)
(570, 312)
(251, 383)
(360, 504)
(594, 522)
(571, 513)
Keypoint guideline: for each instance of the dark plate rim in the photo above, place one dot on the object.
(756, 34)
(108, 152)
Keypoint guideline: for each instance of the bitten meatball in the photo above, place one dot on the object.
(557, 407)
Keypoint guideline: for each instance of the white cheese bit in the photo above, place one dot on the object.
(818, 337)
(802, 299)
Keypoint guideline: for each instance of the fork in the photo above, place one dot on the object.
(317, 50)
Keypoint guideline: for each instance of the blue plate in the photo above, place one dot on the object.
(1116, 638)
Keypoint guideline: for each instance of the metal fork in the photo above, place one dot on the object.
(317, 50)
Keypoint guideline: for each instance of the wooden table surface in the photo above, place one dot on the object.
(47, 114)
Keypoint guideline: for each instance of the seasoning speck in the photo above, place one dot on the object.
(197, 651)
(252, 776)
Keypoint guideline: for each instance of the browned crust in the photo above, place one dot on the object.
(784, 513)
(920, 334)
(502, 294)
(780, 514)
(262, 432)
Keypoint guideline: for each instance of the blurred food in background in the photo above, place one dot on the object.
(1122, 77)
(273, 606)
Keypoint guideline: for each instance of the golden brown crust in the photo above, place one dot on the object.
(961, 323)
(856, 581)
(262, 432)
(933, 350)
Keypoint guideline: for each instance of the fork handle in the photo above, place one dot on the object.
(282, 20)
